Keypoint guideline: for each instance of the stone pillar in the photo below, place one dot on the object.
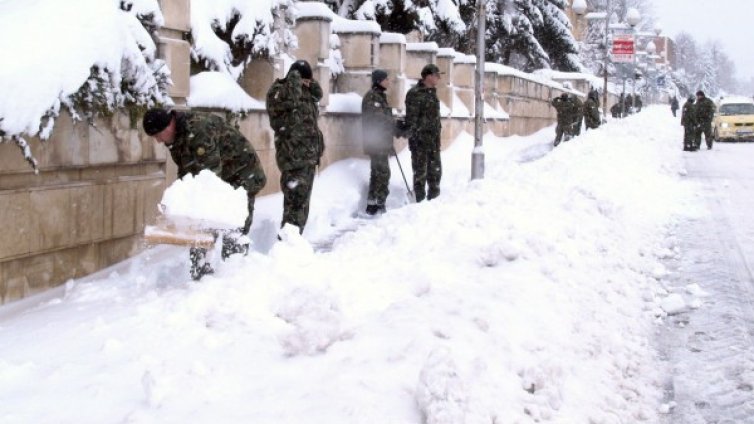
(360, 49)
(445, 58)
(313, 32)
(393, 60)
(464, 67)
(418, 55)
(173, 49)
(259, 75)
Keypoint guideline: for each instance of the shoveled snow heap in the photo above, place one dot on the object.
(528, 296)
(205, 198)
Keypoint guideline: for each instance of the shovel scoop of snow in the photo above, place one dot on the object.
(195, 209)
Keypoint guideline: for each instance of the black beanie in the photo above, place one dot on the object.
(303, 69)
(378, 75)
(156, 120)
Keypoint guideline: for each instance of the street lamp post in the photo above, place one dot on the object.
(477, 155)
(607, 61)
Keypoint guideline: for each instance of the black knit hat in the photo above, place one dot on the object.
(303, 69)
(430, 69)
(700, 93)
(378, 75)
(156, 120)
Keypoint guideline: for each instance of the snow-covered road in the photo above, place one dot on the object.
(537, 294)
(711, 349)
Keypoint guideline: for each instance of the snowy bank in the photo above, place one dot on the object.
(528, 296)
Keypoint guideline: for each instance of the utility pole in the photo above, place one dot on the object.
(477, 155)
(607, 61)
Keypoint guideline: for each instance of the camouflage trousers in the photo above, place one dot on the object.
(706, 129)
(688, 138)
(200, 266)
(379, 180)
(427, 173)
(296, 185)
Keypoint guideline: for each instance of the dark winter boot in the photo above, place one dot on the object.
(231, 246)
(372, 209)
(199, 265)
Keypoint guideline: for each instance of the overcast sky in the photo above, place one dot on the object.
(729, 21)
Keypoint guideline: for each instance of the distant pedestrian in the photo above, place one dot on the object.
(423, 121)
(378, 128)
(688, 120)
(674, 105)
(293, 108)
(704, 110)
(638, 104)
(199, 141)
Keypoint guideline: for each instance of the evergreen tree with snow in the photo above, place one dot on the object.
(708, 74)
(510, 35)
(226, 37)
(554, 34)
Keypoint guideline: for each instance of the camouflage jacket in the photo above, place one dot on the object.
(423, 117)
(591, 113)
(204, 141)
(577, 109)
(293, 110)
(704, 110)
(564, 108)
(377, 123)
(688, 115)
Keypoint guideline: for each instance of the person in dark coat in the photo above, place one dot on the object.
(704, 110)
(674, 105)
(199, 141)
(378, 127)
(688, 120)
(293, 109)
(424, 127)
(592, 111)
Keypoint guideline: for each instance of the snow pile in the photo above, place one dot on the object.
(205, 198)
(528, 296)
(345, 103)
(107, 62)
(220, 90)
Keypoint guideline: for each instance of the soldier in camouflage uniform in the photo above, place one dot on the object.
(704, 110)
(378, 127)
(203, 141)
(293, 109)
(591, 111)
(688, 120)
(564, 108)
(424, 127)
(577, 115)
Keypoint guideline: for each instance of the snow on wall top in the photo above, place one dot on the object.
(422, 47)
(464, 59)
(446, 52)
(392, 38)
(313, 9)
(219, 90)
(342, 25)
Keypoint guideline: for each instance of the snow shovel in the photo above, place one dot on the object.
(410, 193)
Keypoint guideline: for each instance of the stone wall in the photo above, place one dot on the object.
(86, 210)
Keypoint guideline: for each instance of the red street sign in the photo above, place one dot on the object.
(623, 48)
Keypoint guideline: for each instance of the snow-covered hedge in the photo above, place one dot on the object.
(92, 62)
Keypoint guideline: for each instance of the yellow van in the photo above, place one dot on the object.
(734, 120)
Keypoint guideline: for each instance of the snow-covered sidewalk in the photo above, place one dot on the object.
(528, 296)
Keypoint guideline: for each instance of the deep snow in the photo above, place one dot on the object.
(531, 295)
